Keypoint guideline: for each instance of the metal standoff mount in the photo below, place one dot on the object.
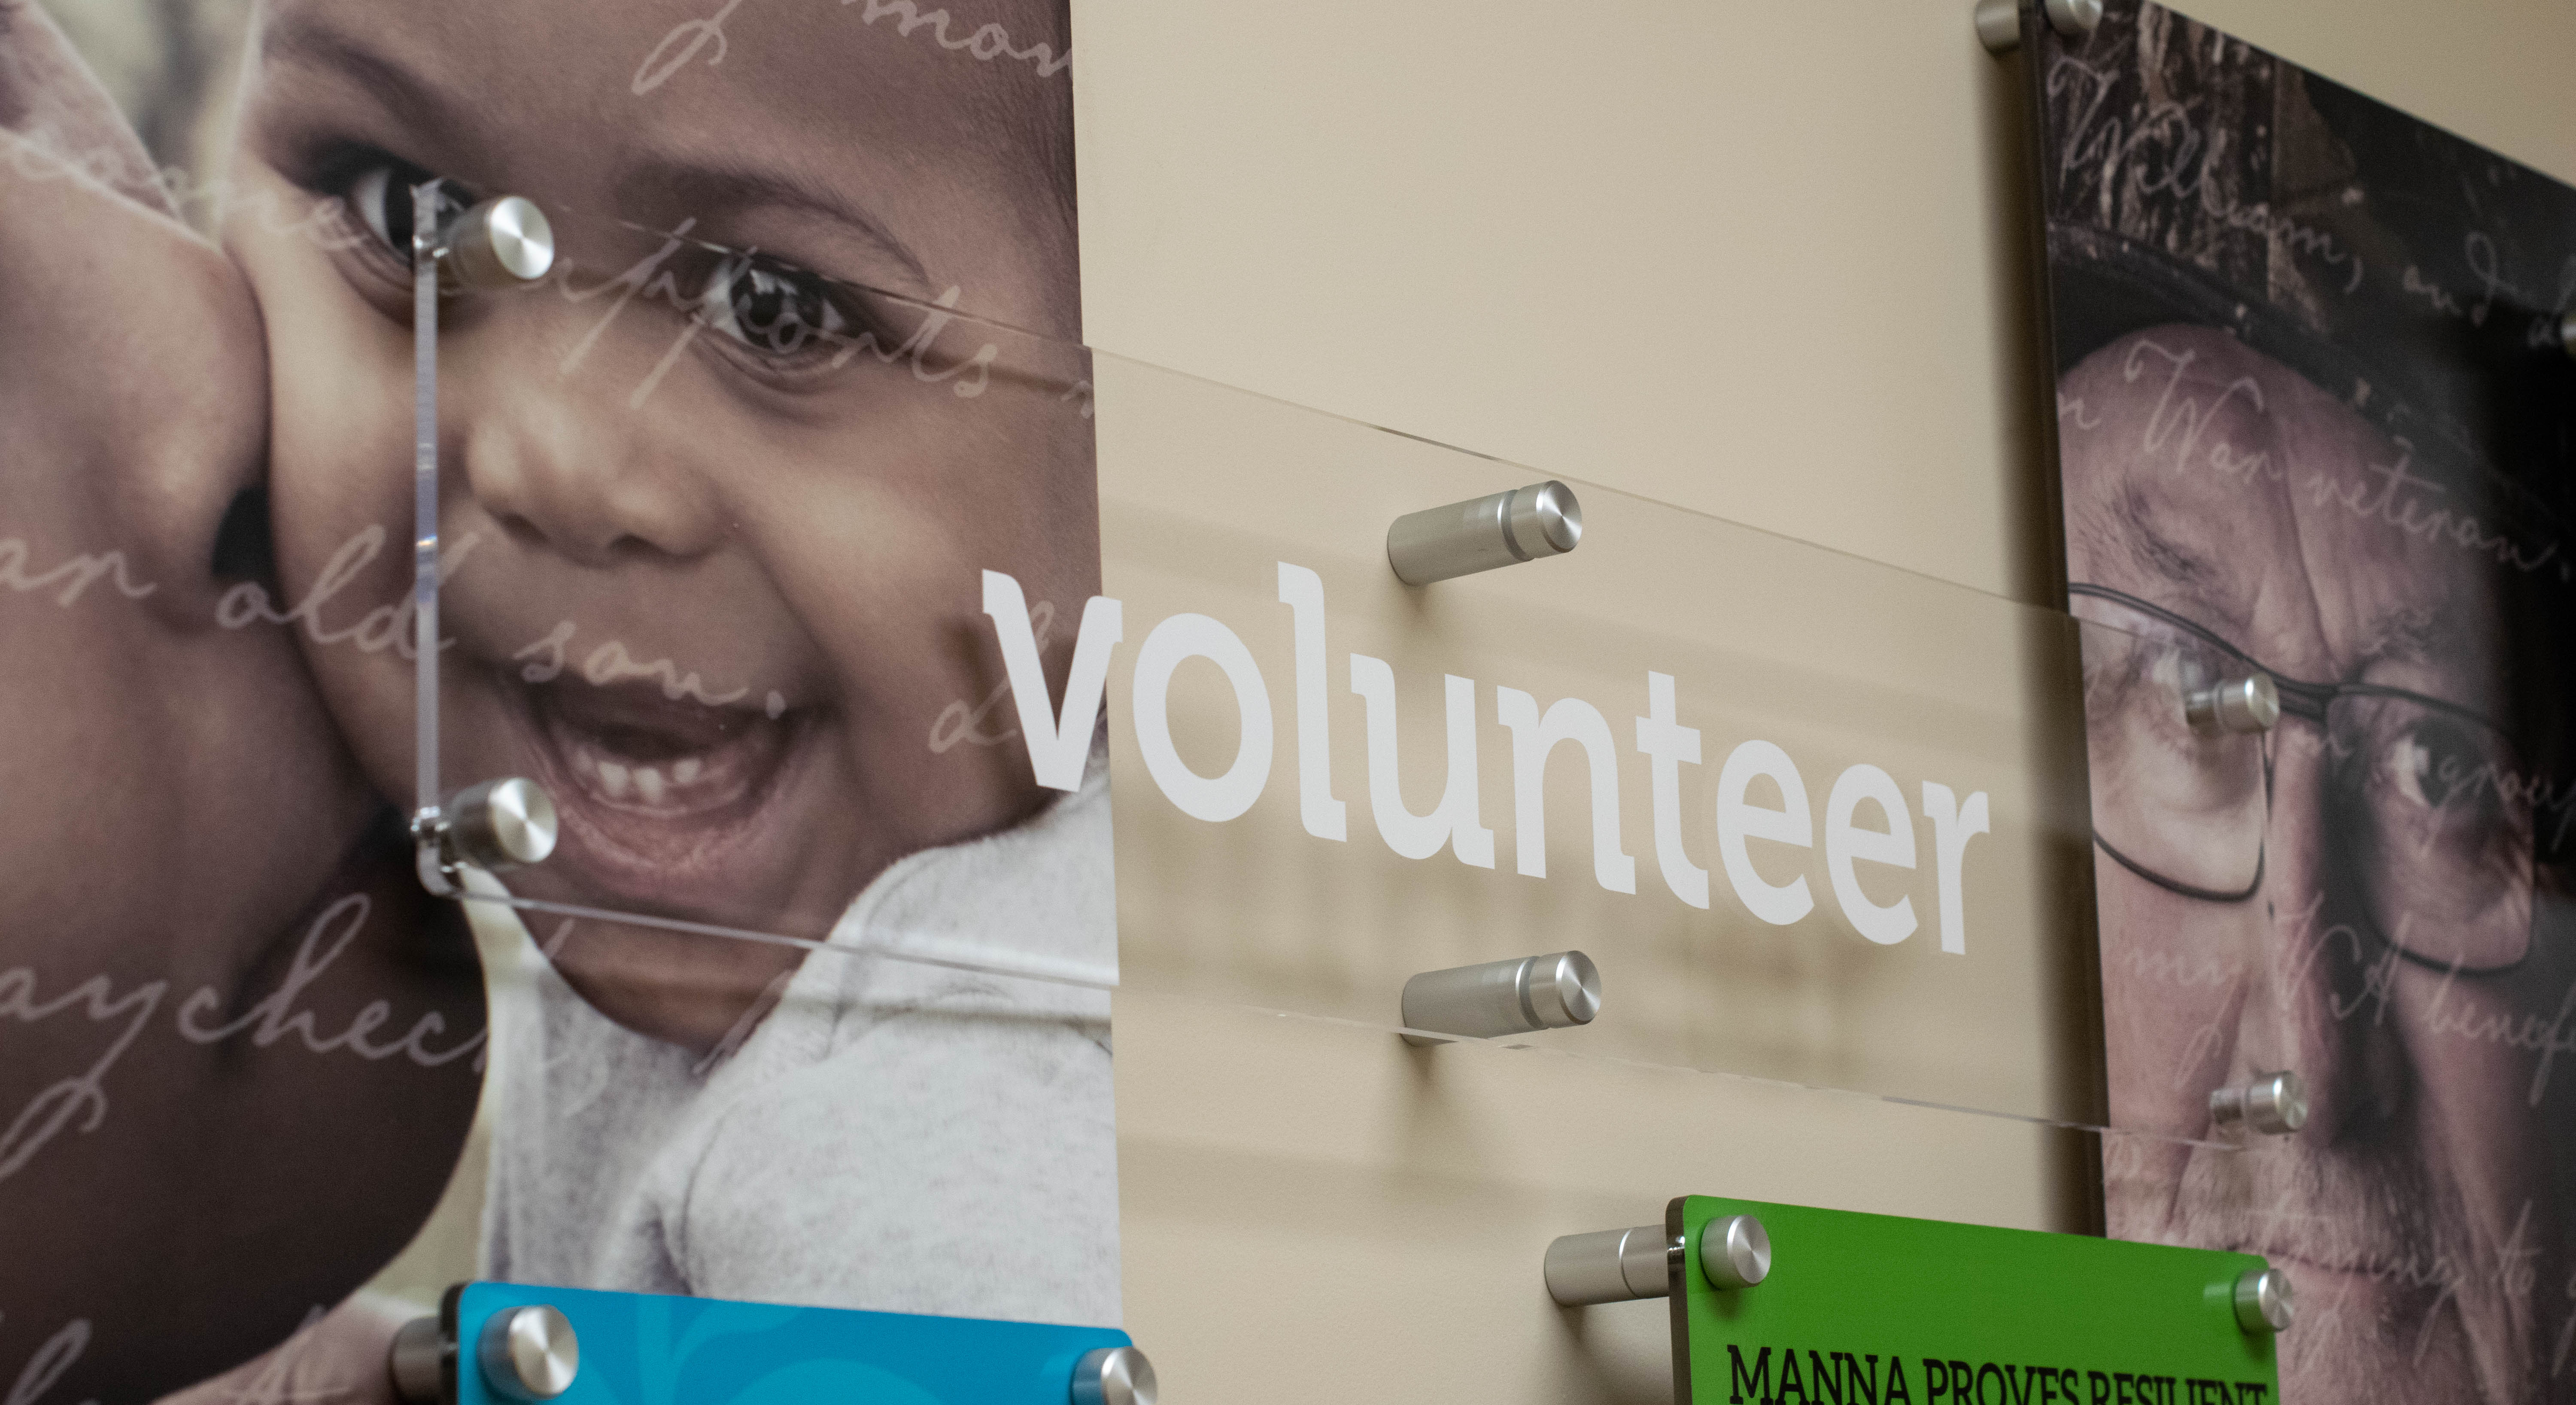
(2264, 1302)
(1518, 996)
(1611, 1266)
(2274, 1103)
(1439, 543)
(1735, 1252)
(1624, 1265)
(495, 825)
(1999, 21)
(528, 1353)
(505, 242)
(2240, 705)
(419, 1360)
(2567, 333)
(524, 1353)
(1113, 1375)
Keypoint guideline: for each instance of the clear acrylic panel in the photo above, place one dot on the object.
(1943, 976)
(735, 563)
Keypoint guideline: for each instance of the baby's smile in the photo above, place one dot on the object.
(660, 797)
(636, 751)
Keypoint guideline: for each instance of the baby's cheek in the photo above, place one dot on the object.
(340, 432)
(338, 477)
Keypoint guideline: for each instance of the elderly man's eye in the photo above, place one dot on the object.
(380, 194)
(2434, 765)
(776, 308)
(2440, 820)
(2436, 784)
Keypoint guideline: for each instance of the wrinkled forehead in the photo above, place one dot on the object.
(2211, 479)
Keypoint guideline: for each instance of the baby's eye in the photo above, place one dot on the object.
(775, 308)
(380, 193)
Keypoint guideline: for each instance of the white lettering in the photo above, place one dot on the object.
(1454, 819)
(1667, 747)
(1196, 636)
(1533, 737)
(1953, 825)
(1058, 741)
(1847, 843)
(1776, 903)
(1302, 591)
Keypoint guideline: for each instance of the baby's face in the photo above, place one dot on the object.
(714, 573)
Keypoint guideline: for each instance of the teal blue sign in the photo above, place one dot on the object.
(647, 1349)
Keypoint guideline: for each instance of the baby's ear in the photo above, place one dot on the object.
(51, 100)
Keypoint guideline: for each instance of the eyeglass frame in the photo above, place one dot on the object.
(2309, 703)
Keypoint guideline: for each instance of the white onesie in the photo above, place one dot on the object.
(893, 1135)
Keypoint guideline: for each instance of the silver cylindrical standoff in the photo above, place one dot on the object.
(2264, 1302)
(2275, 1104)
(2074, 17)
(1113, 1375)
(502, 243)
(2567, 333)
(528, 1353)
(418, 1360)
(1612, 1266)
(1999, 21)
(2234, 705)
(1735, 1252)
(1519, 996)
(1439, 543)
(501, 825)
(1999, 25)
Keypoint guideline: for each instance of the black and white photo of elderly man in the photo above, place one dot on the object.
(2314, 429)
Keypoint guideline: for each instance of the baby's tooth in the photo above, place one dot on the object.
(613, 778)
(685, 770)
(583, 763)
(649, 781)
(777, 706)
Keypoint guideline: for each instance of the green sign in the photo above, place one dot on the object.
(1876, 1310)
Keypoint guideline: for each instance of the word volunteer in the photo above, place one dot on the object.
(1059, 742)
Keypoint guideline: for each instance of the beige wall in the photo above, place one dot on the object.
(1758, 259)
(1762, 260)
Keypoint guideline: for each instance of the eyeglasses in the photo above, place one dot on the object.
(2427, 806)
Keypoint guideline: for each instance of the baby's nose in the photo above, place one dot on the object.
(586, 482)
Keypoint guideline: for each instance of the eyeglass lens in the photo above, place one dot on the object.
(2427, 813)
